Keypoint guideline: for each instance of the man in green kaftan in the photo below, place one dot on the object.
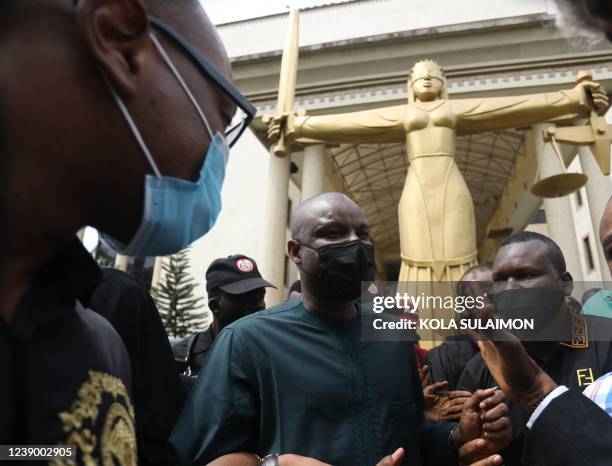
(297, 383)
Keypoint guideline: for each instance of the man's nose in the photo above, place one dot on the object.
(512, 284)
(352, 236)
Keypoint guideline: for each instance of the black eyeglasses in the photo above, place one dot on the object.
(246, 110)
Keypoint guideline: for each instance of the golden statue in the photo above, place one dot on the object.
(436, 214)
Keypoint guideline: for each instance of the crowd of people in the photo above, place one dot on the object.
(140, 91)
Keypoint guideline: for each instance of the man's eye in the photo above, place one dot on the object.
(330, 233)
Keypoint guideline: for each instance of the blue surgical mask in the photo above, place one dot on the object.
(176, 211)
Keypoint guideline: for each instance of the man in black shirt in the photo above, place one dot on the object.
(235, 289)
(157, 392)
(110, 119)
(528, 261)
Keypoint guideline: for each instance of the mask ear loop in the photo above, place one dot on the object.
(126, 115)
(179, 78)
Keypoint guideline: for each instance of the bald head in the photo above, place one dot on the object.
(186, 15)
(319, 225)
(323, 206)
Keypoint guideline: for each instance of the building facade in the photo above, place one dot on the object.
(357, 55)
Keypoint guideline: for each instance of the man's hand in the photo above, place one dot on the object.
(297, 460)
(475, 449)
(483, 418)
(451, 407)
(439, 408)
(520, 378)
(392, 460)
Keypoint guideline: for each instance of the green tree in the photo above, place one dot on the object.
(175, 297)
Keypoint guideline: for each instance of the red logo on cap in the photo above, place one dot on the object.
(244, 265)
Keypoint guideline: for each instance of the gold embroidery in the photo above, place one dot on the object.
(585, 377)
(117, 445)
(580, 337)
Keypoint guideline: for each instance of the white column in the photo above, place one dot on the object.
(313, 170)
(121, 262)
(598, 189)
(272, 259)
(558, 210)
(157, 269)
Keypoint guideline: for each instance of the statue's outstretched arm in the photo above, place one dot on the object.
(489, 114)
(370, 126)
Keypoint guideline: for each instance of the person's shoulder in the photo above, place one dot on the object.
(101, 337)
(94, 322)
(119, 281)
(598, 321)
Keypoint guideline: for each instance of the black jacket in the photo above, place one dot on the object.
(573, 366)
(157, 391)
(571, 431)
(447, 361)
(64, 371)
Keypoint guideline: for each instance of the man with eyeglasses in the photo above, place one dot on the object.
(110, 118)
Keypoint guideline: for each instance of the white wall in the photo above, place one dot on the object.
(352, 20)
(239, 227)
(584, 228)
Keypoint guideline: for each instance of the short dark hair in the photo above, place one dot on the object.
(477, 268)
(554, 251)
(461, 284)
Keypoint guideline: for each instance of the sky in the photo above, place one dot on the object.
(223, 11)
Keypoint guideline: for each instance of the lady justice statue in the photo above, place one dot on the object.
(436, 214)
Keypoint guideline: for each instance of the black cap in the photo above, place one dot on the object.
(237, 274)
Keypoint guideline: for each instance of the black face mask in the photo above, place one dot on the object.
(544, 305)
(342, 268)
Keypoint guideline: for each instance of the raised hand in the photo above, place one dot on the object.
(520, 378)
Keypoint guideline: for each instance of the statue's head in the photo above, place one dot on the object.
(427, 82)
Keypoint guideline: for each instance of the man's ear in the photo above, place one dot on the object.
(212, 305)
(568, 283)
(293, 249)
(116, 32)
